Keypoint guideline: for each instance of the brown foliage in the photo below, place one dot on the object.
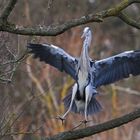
(47, 86)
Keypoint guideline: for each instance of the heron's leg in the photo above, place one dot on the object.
(88, 98)
(71, 103)
(86, 104)
(72, 99)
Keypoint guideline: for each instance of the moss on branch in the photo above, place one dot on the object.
(8, 9)
(80, 133)
(129, 20)
(58, 29)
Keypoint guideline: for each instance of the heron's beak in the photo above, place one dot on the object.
(83, 35)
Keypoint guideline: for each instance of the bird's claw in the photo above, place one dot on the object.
(81, 122)
(85, 122)
(61, 118)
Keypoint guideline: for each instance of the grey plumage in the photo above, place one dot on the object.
(88, 74)
(54, 56)
(117, 67)
(93, 106)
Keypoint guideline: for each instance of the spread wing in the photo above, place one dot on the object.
(54, 56)
(117, 67)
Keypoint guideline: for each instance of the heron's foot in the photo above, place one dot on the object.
(77, 125)
(81, 122)
(61, 118)
(85, 122)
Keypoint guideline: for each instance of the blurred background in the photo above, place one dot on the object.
(31, 102)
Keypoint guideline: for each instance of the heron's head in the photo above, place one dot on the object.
(87, 34)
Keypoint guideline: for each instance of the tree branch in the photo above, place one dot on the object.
(129, 20)
(58, 29)
(127, 90)
(80, 133)
(8, 9)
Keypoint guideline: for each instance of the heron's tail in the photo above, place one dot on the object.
(67, 101)
(93, 106)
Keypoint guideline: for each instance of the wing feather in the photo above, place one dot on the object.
(117, 67)
(54, 56)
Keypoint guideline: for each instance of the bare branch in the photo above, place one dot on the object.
(16, 62)
(58, 29)
(127, 90)
(129, 20)
(49, 30)
(80, 133)
(8, 9)
(5, 80)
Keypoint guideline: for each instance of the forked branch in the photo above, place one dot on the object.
(60, 28)
(8, 9)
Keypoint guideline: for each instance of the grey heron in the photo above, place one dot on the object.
(87, 73)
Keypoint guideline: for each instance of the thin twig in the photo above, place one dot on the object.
(22, 57)
(8, 9)
(128, 90)
(27, 103)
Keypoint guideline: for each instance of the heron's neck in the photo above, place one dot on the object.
(87, 41)
(84, 62)
(84, 54)
(84, 58)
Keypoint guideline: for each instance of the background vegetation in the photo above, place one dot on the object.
(31, 92)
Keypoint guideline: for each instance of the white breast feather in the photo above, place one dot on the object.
(80, 105)
(82, 79)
